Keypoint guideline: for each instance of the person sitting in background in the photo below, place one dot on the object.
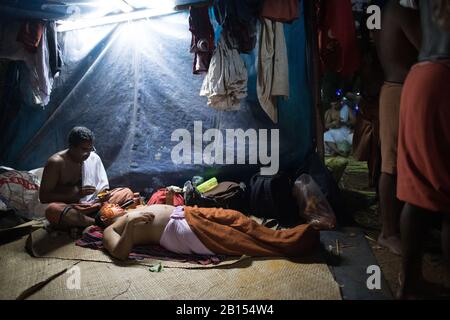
(338, 120)
(71, 181)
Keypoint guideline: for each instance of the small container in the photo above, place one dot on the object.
(208, 185)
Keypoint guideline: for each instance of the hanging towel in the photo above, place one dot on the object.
(226, 82)
(273, 70)
(93, 174)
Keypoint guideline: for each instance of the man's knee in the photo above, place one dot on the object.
(53, 212)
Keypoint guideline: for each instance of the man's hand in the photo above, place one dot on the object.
(86, 190)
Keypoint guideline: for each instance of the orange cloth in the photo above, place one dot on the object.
(54, 210)
(30, 34)
(389, 121)
(280, 10)
(230, 232)
(424, 138)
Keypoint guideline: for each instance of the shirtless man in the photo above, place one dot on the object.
(397, 45)
(208, 231)
(62, 187)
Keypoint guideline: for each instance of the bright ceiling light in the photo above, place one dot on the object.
(123, 5)
(68, 25)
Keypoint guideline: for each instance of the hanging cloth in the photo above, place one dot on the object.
(337, 37)
(226, 82)
(273, 69)
(202, 42)
(280, 10)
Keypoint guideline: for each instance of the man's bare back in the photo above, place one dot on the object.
(399, 41)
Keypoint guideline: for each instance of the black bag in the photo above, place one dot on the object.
(227, 195)
(271, 198)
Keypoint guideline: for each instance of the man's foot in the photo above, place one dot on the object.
(393, 243)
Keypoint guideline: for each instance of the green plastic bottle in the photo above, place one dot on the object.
(207, 185)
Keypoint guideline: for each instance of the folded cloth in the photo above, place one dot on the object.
(93, 238)
(160, 197)
(93, 174)
(231, 233)
(423, 162)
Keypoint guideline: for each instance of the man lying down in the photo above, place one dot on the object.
(204, 231)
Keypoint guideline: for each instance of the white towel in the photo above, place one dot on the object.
(93, 174)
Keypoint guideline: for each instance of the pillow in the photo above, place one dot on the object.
(19, 190)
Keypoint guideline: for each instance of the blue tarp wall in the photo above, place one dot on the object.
(132, 85)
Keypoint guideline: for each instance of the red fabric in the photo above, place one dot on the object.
(30, 35)
(340, 52)
(280, 10)
(159, 197)
(423, 161)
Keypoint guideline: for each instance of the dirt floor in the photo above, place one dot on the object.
(363, 203)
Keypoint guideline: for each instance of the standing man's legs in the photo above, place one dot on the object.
(390, 206)
(414, 225)
(390, 211)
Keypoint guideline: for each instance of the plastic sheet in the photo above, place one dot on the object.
(132, 84)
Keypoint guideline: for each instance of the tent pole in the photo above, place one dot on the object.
(312, 29)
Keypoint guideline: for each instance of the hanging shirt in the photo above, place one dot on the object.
(273, 69)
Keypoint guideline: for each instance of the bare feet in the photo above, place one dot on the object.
(393, 243)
